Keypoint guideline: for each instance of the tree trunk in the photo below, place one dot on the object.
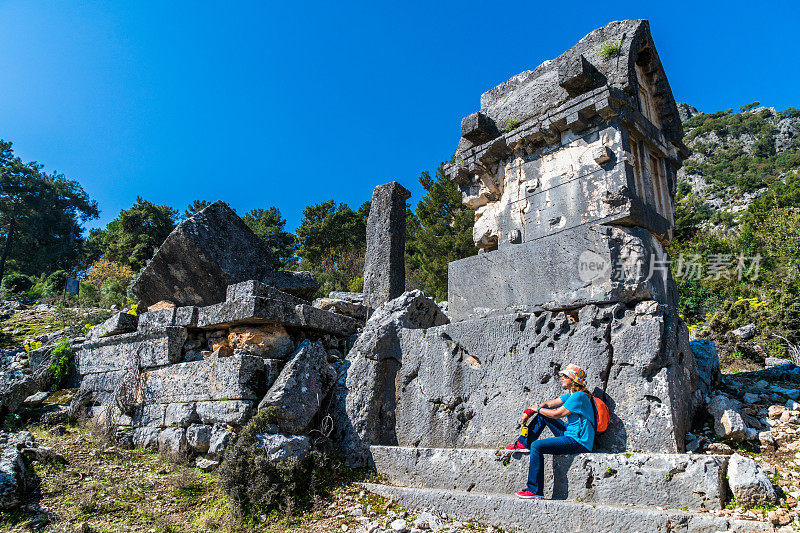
(7, 247)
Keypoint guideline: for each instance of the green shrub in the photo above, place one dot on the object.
(55, 283)
(113, 292)
(16, 283)
(610, 49)
(62, 363)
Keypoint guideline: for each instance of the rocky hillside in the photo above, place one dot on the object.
(737, 157)
(737, 231)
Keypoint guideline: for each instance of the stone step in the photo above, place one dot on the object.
(557, 516)
(675, 481)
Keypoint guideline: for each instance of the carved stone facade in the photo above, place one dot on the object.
(588, 139)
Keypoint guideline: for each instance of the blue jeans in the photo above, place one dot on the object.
(555, 446)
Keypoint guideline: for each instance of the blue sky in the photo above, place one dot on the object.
(290, 104)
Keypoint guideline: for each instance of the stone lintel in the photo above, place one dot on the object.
(258, 310)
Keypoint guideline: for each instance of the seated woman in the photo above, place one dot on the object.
(574, 436)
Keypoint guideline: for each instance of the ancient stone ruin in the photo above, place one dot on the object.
(571, 171)
(183, 379)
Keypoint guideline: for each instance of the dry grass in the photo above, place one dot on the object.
(115, 490)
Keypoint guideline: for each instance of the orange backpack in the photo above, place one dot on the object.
(601, 415)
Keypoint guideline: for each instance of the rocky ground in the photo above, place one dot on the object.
(90, 484)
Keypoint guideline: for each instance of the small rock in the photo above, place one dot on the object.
(775, 411)
(399, 525)
(206, 465)
(779, 517)
(750, 398)
(58, 430)
(719, 448)
(745, 332)
(792, 405)
(35, 400)
(761, 384)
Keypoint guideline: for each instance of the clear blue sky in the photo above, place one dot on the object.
(294, 103)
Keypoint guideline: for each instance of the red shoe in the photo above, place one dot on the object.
(517, 447)
(528, 495)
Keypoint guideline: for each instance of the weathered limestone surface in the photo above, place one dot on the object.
(365, 397)
(748, 482)
(257, 310)
(345, 303)
(251, 288)
(555, 516)
(117, 324)
(201, 257)
(300, 284)
(708, 369)
(465, 383)
(170, 316)
(384, 263)
(663, 480)
(585, 265)
(281, 447)
(149, 348)
(12, 478)
(232, 378)
(298, 393)
(728, 420)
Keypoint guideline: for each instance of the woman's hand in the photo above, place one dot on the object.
(527, 414)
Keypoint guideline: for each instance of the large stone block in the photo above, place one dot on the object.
(364, 405)
(585, 265)
(302, 385)
(239, 377)
(201, 257)
(661, 480)
(257, 310)
(465, 384)
(145, 349)
(555, 516)
(302, 284)
(117, 324)
(384, 263)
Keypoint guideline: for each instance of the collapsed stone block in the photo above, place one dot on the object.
(251, 288)
(303, 284)
(281, 447)
(201, 257)
(345, 303)
(365, 397)
(728, 419)
(116, 325)
(257, 310)
(748, 482)
(297, 394)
